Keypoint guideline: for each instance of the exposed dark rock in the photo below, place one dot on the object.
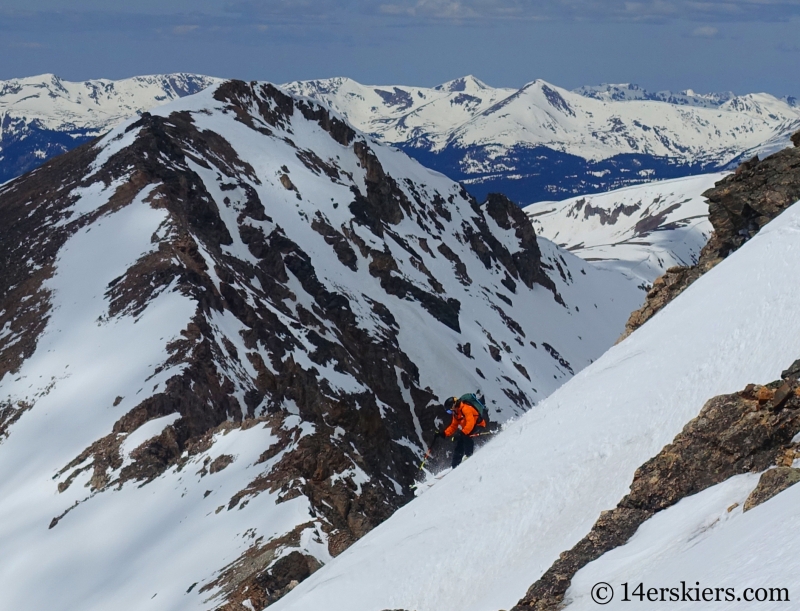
(606, 217)
(340, 244)
(287, 183)
(792, 373)
(458, 264)
(796, 138)
(258, 577)
(556, 356)
(524, 264)
(772, 482)
(739, 206)
(27, 251)
(733, 434)
(384, 201)
(220, 462)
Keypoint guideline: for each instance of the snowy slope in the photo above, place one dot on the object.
(641, 231)
(231, 323)
(700, 540)
(537, 488)
(42, 116)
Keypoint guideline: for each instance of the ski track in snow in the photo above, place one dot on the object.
(537, 488)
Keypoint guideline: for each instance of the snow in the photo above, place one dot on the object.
(541, 114)
(426, 112)
(581, 225)
(671, 533)
(591, 122)
(94, 105)
(614, 295)
(537, 488)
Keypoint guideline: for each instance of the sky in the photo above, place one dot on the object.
(705, 45)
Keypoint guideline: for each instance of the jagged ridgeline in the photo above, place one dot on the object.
(226, 329)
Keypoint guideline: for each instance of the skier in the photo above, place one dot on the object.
(468, 420)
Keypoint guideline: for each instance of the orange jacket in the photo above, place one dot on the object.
(466, 418)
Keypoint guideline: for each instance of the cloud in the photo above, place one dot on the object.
(705, 31)
(438, 9)
(597, 10)
(788, 48)
(26, 45)
(185, 28)
(293, 10)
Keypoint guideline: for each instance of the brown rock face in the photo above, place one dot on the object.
(739, 206)
(740, 433)
(771, 483)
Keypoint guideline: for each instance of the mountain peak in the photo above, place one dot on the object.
(465, 84)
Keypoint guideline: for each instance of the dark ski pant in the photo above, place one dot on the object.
(465, 445)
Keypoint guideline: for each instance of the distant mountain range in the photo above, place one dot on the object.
(44, 116)
(536, 143)
(542, 142)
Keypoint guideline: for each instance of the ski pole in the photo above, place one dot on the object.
(428, 453)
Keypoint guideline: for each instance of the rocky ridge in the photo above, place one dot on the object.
(746, 432)
(738, 207)
(279, 289)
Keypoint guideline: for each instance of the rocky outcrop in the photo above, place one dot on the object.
(772, 482)
(738, 207)
(745, 432)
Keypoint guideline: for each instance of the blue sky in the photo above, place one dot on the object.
(706, 45)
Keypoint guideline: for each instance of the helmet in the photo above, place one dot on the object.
(449, 404)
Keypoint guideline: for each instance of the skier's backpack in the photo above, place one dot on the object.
(472, 399)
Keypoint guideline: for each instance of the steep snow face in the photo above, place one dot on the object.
(226, 331)
(543, 141)
(640, 231)
(538, 487)
(43, 116)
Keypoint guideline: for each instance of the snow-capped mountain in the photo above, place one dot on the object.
(398, 114)
(543, 141)
(44, 116)
(537, 143)
(629, 91)
(226, 329)
(640, 231)
(667, 462)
